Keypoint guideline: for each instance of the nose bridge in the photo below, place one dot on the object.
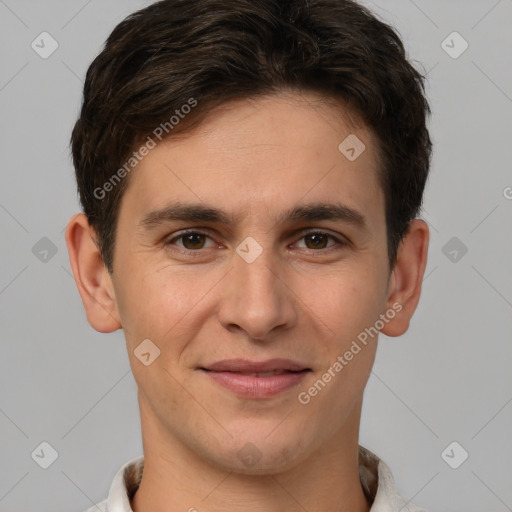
(255, 271)
(259, 274)
(257, 300)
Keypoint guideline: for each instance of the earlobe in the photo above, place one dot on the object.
(91, 276)
(407, 277)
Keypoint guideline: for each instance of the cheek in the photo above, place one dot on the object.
(348, 300)
(354, 308)
(166, 305)
(350, 308)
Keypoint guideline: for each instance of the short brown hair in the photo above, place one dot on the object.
(159, 58)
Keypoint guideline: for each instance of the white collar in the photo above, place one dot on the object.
(376, 479)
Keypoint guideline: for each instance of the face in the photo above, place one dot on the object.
(273, 264)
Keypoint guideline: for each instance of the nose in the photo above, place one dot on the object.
(257, 298)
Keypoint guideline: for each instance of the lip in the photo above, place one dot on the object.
(238, 375)
(247, 366)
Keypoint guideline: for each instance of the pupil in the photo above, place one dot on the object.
(194, 240)
(319, 238)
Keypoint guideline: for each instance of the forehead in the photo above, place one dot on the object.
(264, 155)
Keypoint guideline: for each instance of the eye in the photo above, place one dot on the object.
(319, 239)
(190, 240)
(194, 241)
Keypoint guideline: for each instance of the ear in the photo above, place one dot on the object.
(405, 282)
(91, 276)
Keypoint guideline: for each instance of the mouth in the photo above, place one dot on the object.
(264, 374)
(246, 366)
(256, 380)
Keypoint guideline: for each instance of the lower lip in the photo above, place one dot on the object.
(256, 387)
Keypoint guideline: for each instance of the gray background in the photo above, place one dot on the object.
(448, 379)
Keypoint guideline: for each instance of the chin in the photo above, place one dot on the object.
(261, 456)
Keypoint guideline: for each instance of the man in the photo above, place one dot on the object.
(250, 175)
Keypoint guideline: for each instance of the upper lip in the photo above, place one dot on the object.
(244, 365)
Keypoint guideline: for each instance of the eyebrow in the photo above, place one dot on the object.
(204, 213)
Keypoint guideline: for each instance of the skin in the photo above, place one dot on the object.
(298, 300)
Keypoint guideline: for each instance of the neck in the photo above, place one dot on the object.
(176, 478)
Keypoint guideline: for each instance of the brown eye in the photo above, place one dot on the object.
(193, 241)
(318, 240)
(190, 241)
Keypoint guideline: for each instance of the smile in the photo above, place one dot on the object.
(256, 380)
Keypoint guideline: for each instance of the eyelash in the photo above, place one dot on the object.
(197, 252)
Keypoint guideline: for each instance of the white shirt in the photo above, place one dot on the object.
(376, 479)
